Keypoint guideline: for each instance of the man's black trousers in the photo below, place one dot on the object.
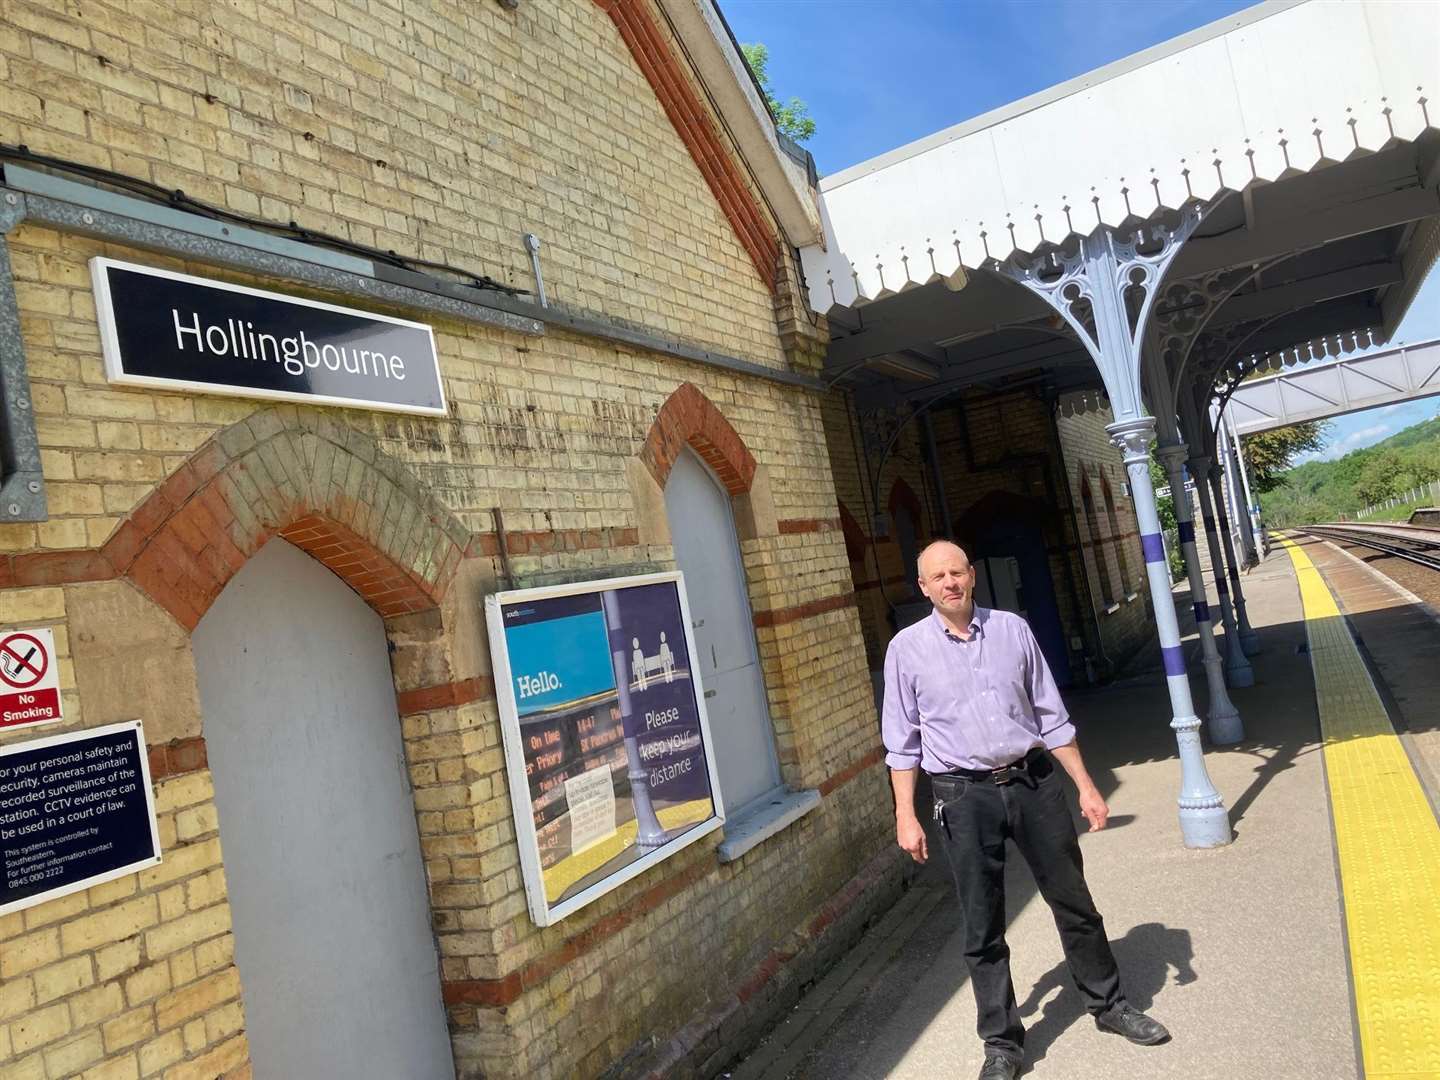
(975, 817)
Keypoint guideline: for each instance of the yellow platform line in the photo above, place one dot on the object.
(1388, 844)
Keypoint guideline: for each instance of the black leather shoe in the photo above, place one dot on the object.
(999, 1067)
(1133, 1024)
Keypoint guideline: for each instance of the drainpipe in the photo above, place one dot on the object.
(1252, 508)
(947, 528)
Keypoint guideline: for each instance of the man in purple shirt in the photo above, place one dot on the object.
(970, 699)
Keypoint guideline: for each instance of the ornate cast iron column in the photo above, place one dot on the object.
(1105, 289)
(1252, 508)
(1193, 401)
(1249, 641)
(1204, 821)
(1225, 724)
(1238, 671)
(1236, 508)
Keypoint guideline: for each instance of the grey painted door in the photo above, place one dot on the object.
(702, 530)
(317, 822)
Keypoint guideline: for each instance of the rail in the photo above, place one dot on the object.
(1414, 543)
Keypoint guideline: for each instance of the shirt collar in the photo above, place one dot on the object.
(978, 617)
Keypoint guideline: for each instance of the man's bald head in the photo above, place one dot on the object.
(939, 549)
(948, 581)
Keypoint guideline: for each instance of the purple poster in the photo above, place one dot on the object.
(609, 724)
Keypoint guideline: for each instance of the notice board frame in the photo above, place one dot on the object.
(115, 364)
(145, 785)
(542, 912)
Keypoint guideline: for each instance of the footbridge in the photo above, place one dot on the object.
(1342, 386)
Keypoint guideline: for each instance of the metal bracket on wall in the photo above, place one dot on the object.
(532, 245)
(22, 484)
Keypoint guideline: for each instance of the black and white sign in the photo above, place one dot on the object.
(174, 331)
(76, 810)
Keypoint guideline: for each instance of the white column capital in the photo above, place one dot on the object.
(1172, 455)
(1132, 437)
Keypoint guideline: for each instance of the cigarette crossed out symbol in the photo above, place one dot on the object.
(19, 666)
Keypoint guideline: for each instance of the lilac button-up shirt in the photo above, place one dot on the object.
(977, 704)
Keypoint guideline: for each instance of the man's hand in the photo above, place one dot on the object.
(910, 835)
(1092, 805)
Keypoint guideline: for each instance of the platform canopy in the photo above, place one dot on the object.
(1310, 132)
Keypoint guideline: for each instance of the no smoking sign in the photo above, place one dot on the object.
(29, 679)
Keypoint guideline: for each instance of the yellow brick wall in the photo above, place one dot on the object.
(443, 131)
(1127, 629)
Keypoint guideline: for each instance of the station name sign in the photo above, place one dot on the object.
(177, 332)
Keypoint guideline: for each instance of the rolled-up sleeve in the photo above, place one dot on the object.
(899, 715)
(1050, 712)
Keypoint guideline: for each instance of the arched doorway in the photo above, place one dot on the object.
(702, 531)
(1006, 533)
(327, 890)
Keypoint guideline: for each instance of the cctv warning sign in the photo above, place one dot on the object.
(29, 679)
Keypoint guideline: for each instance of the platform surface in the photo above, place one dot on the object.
(1241, 951)
(1387, 843)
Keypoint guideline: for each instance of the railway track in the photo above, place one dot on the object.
(1419, 544)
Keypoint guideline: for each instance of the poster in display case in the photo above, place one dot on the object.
(607, 745)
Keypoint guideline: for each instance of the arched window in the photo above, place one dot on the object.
(707, 550)
(1115, 537)
(1097, 542)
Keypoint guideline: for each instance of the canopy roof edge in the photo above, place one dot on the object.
(1294, 90)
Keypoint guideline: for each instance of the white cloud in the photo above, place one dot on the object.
(1355, 440)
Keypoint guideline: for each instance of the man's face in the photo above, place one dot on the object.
(947, 579)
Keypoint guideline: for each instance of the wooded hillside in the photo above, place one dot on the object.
(1328, 490)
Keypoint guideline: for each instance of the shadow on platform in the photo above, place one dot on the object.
(1124, 727)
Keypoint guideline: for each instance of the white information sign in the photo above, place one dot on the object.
(29, 678)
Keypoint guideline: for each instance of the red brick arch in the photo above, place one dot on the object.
(323, 487)
(902, 494)
(689, 418)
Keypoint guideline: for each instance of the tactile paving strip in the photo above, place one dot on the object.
(1389, 849)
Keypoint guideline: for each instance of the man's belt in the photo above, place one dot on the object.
(1005, 774)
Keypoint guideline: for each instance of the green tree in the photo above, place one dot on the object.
(1165, 509)
(792, 117)
(1270, 454)
(1380, 477)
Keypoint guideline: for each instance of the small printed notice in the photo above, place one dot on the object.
(29, 679)
(590, 798)
(76, 810)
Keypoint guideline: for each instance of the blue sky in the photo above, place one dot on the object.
(879, 75)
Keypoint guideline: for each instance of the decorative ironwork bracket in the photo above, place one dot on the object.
(1105, 289)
